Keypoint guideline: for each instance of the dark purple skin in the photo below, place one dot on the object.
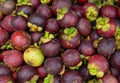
(118, 13)
(84, 26)
(4, 70)
(57, 79)
(69, 20)
(26, 9)
(94, 35)
(58, 4)
(106, 47)
(73, 43)
(35, 3)
(82, 2)
(4, 36)
(52, 26)
(53, 65)
(37, 19)
(7, 6)
(71, 77)
(86, 48)
(40, 81)
(114, 71)
(118, 78)
(84, 72)
(77, 10)
(44, 10)
(35, 36)
(6, 78)
(51, 48)
(19, 22)
(25, 73)
(108, 78)
(115, 58)
(6, 23)
(71, 57)
(41, 71)
(109, 11)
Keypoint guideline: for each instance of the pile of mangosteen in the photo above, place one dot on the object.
(59, 41)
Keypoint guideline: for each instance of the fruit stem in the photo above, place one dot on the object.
(71, 31)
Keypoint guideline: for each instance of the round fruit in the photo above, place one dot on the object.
(33, 56)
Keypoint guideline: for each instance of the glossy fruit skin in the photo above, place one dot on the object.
(25, 73)
(51, 48)
(69, 20)
(110, 32)
(7, 6)
(4, 36)
(14, 59)
(35, 36)
(3, 54)
(53, 65)
(5, 79)
(109, 79)
(19, 22)
(71, 57)
(98, 61)
(109, 11)
(58, 4)
(35, 3)
(20, 40)
(44, 10)
(118, 13)
(37, 19)
(114, 60)
(82, 2)
(26, 9)
(114, 71)
(41, 71)
(71, 77)
(69, 44)
(86, 48)
(52, 26)
(6, 23)
(33, 56)
(84, 73)
(4, 70)
(84, 26)
(94, 35)
(106, 47)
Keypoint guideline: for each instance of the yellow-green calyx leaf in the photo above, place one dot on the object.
(34, 28)
(69, 33)
(49, 79)
(117, 33)
(94, 70)
(45, 1)
(77, 66)
(47, 37)
(91, 14)
(23, 2)
(103, 23)
(61, 12)
(9, 82)
(22, 13)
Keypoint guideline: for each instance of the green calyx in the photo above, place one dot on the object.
(34, 28)
(45, 1)
(49, 79)
(77, 66)
(22, 13)
(91, 14)
(47, 37)
(23, 2)
(94, 70)
(69, 33)
(33, 79)
(117, 33)
(61, 12)
(95, 81)
(103, 23)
